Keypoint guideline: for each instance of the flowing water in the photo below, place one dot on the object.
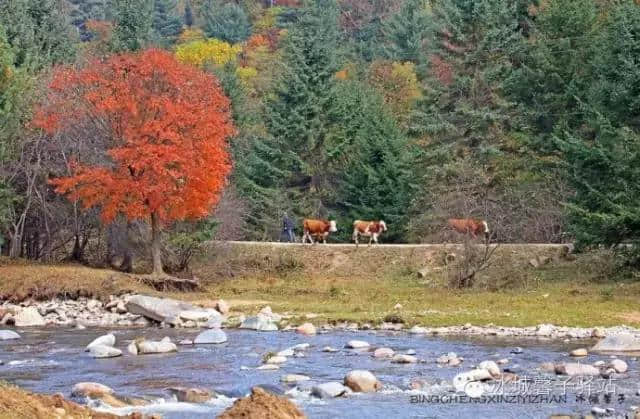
(52, 360)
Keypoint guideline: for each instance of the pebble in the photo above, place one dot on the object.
(404, 359)
(357, 344)
(579, 352)
(619, 366)
(286, 352)
(103, 351)
(276, 360)
(383, 353)
(294, 378)
(306, 329)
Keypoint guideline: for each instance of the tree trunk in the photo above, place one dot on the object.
(155, 245)
(77, 252)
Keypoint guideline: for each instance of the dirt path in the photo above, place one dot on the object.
(393, 245)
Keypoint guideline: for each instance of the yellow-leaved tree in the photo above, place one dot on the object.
(207, 52)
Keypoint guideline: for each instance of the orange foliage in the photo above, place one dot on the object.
(256, 41)
(167, 126)
(99, 28)
(442, 70)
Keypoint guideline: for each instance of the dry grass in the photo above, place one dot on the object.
(339, 283)
(564, 302)
(19, 281)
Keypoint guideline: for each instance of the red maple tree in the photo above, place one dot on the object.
(165, 127)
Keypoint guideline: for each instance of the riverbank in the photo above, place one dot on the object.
(329, 286)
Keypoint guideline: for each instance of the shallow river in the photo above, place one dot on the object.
(52, 360)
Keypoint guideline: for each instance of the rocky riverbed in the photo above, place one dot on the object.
(131, 310)
(179, 360)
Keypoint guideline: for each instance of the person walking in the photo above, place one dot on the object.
(287, 227)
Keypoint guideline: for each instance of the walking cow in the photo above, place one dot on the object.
(318, 228)
(371, 229)
(469, 226)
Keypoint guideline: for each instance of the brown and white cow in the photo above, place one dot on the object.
(318, 228)
(469, 226)
(371, 229)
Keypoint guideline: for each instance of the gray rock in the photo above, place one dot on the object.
(106, 340)
(286, 352)
(29, 316)
(260, 322)
(618, 365)
(383, 353)
(211, 336)
(267, 312)
(294, 378)
(357, 344)
(362, 381)
(198, 315)
(579, 352)
(418, 330)
(623, 342)
(404, 359)
(276, 360)
(153, 347)
(517, 350)
(490, 366)
(222, 306)
(8, 334)
(574, 368)
(103, 351)
(159, 309)
(214, 322)
(89, 389)
(545, 330)
(191, 395)
(329, 390)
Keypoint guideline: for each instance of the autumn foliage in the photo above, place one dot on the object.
(165, 125)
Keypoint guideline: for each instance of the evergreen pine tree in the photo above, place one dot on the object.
(38, 31)
(554, 74)
(227, 22)
(188, 14)
(405, 33)
(297, 114)
(604, 173)
(616, 66)
(375, 181)
(133, 21)
(468, 130)
(166, 23)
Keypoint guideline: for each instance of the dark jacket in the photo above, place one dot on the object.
(287, 223)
